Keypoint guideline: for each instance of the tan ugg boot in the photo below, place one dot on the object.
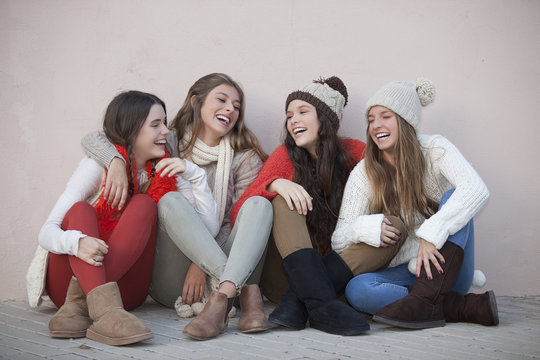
(252, 318)
(213, 320)
(112, 324)
(71, 320)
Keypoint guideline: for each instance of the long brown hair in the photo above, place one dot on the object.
(398, 191)
(323, 177)
(189, 118)
(123, 120)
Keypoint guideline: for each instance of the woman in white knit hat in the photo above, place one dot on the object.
(210, 131)
(426, 182)
(305, 178)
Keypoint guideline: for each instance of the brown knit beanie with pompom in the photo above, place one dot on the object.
(329, 96)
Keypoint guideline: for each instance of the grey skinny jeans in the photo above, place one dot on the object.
(182, 239)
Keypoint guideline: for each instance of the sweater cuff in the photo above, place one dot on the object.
(432, 233)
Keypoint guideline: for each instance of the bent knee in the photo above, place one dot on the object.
(172, 202)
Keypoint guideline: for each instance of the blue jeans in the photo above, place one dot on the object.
(371, 291)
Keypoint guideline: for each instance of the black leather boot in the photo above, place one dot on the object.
(311, 284)
(292, 313)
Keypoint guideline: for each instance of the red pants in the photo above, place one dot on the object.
(128, 262)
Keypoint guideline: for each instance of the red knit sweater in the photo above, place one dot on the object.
(279, 166)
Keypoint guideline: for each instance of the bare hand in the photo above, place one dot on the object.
(116, 185)
(389, 234)
(295, 195)
(428, 252)
(171, 166)
(92, 250)
(193, 285)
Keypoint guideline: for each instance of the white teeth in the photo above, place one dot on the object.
(379, 136)
(298, 130)
(223, 118)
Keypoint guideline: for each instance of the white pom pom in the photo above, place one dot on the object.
(182, 310)
(479, 279)
(197, 308)
(412, 266)
(232, 313)
(425, 90)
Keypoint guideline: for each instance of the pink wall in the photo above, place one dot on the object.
(62, 61)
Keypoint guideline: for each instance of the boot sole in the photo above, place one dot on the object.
(254, 330)
(341, 331)
(409, 324)
(286, 324)
(200, 338)
(117, 341)
(67, 334)
(493, 307)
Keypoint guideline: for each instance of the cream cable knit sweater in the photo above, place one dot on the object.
(446, 169)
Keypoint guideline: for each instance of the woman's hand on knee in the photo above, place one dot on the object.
(193, 285)
(294, 194)
(116, 184)
(92, 250)
(389, 234)
(427, 252)
(171, 166)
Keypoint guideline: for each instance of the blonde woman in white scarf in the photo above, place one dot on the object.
(208, 130)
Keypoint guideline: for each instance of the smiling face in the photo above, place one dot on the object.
(219, 113)
(303, 125)
(150, 141)
(383, 129)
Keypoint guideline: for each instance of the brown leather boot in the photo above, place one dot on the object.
(422, 308)
(252, 318)
(112, 324)
(474, 308)
(71, 320)
(213, 320)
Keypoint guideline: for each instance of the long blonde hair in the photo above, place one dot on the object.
(189, 117)
(398, 190)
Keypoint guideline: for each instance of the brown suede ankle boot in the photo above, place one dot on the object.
(473, 308)
(422, 308)
(71, 320)
(112, 324)
(213, 320)
(252, 318)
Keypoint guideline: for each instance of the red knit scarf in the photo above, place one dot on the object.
(108, 217)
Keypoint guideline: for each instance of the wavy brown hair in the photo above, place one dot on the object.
(323, 177)
(398, 191)
(189, 118)
(123, 120)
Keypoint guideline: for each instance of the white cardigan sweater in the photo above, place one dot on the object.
(446, 169)
(86, 184)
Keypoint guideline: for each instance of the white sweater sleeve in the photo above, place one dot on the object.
(193, 185)
(354, 224)
(469, 197)
(85, 182)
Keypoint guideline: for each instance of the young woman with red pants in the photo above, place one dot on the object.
(100, 258)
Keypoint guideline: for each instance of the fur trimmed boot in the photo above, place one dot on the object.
(112, 324)
(312, 285)
(473, 308)
(422, 308)
(213, 320)
(71, 320)
(252, 318)
(292, 313)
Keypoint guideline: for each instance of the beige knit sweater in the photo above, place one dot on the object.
(446, 169)
(244, 169)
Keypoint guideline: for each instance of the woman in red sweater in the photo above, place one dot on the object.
(305, 178)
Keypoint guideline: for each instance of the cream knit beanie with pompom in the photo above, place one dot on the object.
(405, 99)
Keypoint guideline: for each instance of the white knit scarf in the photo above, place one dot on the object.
(223, 153)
